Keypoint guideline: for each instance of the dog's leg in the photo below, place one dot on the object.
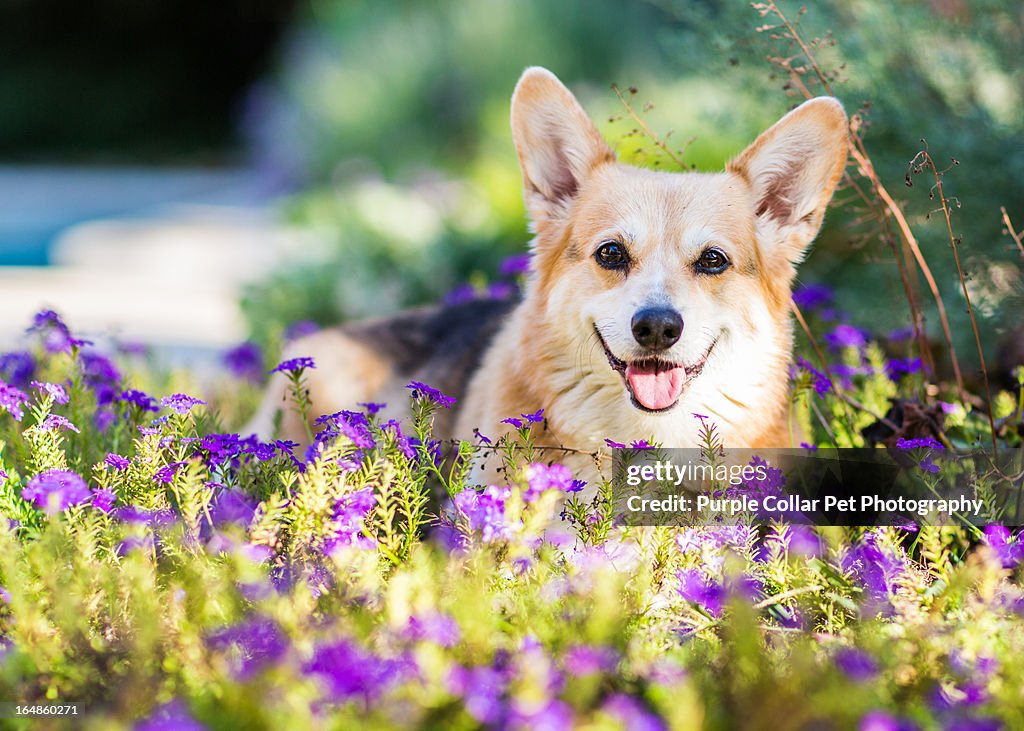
(347, 372)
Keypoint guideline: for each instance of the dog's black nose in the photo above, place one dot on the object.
(657, 328)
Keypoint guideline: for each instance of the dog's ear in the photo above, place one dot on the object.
(558, 145)
(793, 169)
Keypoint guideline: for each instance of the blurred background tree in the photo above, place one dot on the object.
(116, 80)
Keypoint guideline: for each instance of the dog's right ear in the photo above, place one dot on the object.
(558, 145)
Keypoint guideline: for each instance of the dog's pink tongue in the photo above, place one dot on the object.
(656, 386)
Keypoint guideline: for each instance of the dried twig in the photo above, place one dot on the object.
(923, 160)
(1015, 235)
(658, 142)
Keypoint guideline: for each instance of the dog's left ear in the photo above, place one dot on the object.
(793, 169)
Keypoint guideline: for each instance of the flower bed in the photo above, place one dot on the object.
(161, 571)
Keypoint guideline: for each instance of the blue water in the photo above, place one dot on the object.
(28, 248)
(38, 203)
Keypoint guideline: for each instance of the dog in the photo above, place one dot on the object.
(652, 297)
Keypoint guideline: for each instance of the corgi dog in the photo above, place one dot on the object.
(651, 297)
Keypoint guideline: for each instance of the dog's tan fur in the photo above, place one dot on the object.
(763, 212)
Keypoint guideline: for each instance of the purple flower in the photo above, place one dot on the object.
(899, 367)
(102, 377)
(501, 290)
(55, 391)
(460, 295)
(262, 451)
(219, 449)
(232, 506)
(588, 660)
(438, 628)
(485, 511)
(423, 391)
(294, 365)
(481, 689)
(614, 444)
(922, 443)
(103, 499)
(3, 475)
(166, 474)
(1006, 546)
(856, 664)
(143, 544)
(372, 408)
(819, 380)
(927, 465)
(56, 422)
(181, 404)
(537, 417)
(846, 373)
(245, 361)
(11, 400)
(17, 367)
(876, 569)
(803, 541)
(172, 716)
(701, 417)
(348, 671)
(812, 296)
(554, 715)
(757, 487)
(55, 334)
(632, 714)
(900, 334)
(254, 643)
(406, 445)
(142, 401)
(809, 447)
(350, 513)
(352, 424)
(103, 419)
(541, 477)
(300, 329)
(515, 265)
(54, 491)
(116, 461)
(846, 336)
(694, 587)
(736, 536)
(128, 347)
(882, 721)
(964, 695)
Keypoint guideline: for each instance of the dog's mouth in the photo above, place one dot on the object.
(655, 385)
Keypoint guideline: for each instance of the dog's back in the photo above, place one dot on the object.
(373, 360)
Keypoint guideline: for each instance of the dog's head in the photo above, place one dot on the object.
(669, 272)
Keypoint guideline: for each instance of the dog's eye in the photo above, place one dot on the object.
(712, 261)
(612, 255)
